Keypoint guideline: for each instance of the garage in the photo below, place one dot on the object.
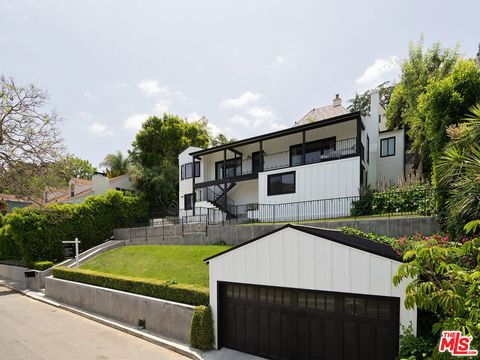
(303, 292)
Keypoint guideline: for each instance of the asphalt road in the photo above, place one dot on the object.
(33, 330)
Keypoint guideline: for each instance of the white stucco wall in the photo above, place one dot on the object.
(126, 182)
(290, 258)
(390, 168)
(186, 185)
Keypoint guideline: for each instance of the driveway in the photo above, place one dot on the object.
(33, 330)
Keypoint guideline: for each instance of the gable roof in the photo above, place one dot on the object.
(322, 113)
(337, 236)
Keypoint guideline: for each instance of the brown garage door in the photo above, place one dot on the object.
(283, 323)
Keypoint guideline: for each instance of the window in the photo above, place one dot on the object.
(188, 202)
(314, 151)
(72, 190)
(279, 184)
(256, 162)
(387, 147)
(186, 171)
(234, 168)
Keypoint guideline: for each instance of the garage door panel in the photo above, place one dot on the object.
(281, 323)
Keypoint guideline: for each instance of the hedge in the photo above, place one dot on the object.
(36, 233)
(201, 330)
(42, 265)
(182, 293)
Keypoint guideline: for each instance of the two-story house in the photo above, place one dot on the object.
(329, 153)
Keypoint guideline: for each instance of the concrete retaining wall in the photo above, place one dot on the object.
(199, 234)
(16, 273)
(165, 318)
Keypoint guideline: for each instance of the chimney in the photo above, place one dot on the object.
(337, 101)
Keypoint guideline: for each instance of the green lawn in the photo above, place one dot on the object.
(182, 263)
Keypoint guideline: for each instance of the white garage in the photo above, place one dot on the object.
(303, 292)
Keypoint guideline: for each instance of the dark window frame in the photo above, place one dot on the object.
(269, 190)
(385, 140)
(188, 201)
(256, 162)
(311, 144)
(183, 170)
(237, 163)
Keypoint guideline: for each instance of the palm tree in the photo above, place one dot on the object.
(458, 170)
(116, 164)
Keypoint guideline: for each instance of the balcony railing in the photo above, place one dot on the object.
(283, 159)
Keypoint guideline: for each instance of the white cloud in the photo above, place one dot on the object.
(135, 121)
(214, 130)
(151, 87)
(88, 95)
(279, 60)
(193, 116)
(380, 71)
(85, 115)
(245, 99)
(99, 129)
(256, 120)
(240, 120)
(162, 106)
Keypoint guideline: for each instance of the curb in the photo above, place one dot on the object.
(170, 345)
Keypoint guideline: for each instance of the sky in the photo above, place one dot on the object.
(250, 66)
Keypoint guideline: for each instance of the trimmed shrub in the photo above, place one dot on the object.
(42, 265)
(8, 247)
(182, 293)
(201, 331)
(36, 233)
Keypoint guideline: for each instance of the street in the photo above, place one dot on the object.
(33, 330)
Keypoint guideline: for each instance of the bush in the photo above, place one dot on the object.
(8, 247)
(182, 293)
(415, 347)
(417, 198)
(42, 265)
(201, 331)
(36, 233)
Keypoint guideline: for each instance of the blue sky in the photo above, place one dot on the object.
(249, 66)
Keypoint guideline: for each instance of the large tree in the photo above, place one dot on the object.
(116, 164)
(73, 167)
(418, 70)
(220, 139)
(29, 139)
(155, 154)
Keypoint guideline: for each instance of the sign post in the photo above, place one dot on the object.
(76, 242)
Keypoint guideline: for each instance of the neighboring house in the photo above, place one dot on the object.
(79, 189)
(302, 292)
(329, 153)
(13, 202)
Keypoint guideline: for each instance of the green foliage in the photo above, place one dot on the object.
(155, 154)
(116, 164)
(456, 174)
(361, 102)
(182, 293)
(444, 277)
(42, 265)
(3, 207)
(392, 242)
(418, 71)
(416, 198)
(201, 331)
(415, 347)
(220, 139)
(8, 247)
(37, 232)
(74, 167)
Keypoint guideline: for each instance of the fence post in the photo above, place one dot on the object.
(274, 213)
(163, 230)
(182, 227)
(146, 233)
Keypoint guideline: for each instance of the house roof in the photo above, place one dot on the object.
(322, 113)
(296, 129)
(337, 236)
(13, 198)
(78, 181)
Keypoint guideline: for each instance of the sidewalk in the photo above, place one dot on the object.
(182, 349)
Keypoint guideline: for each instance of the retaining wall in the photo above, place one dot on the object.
(165, 318)
(201, 234)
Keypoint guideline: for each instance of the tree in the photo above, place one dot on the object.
(155, 154)
(456, 173)
(418, 70)
(73, 167)
(220, 139)
(361, 102)
(116, 164)
(29, 139)
(477, 58)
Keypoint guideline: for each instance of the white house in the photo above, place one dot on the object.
(80, 189)
(303, 292)
(329, 153)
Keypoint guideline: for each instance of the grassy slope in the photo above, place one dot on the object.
(182, 263)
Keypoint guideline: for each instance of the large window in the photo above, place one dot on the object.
(234, 168)
(387, 147)
(188, 201)
(279, 184)
(186, 170)
(315, 151)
